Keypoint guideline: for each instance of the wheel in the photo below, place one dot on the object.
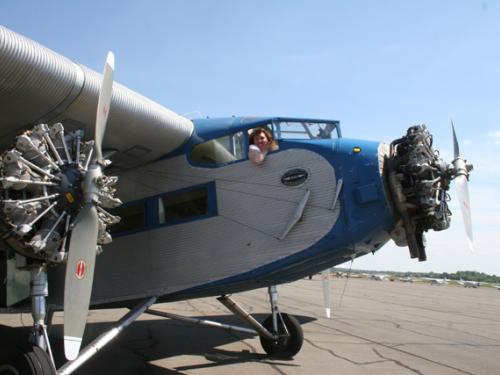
(31, 361)
(287, 345)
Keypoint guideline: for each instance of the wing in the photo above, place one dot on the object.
(39, 85)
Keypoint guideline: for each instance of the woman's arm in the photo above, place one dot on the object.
(255, 155)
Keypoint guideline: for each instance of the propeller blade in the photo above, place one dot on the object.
(456, 150)
(462, 171)
(103, 103)
(463, 198)
(327, 295)
(79, 278)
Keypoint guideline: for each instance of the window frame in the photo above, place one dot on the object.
(211, 205)
(150, 211)
(277, 131)
(244, 143)
(246, 131)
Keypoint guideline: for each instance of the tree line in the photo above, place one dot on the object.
(464, 275)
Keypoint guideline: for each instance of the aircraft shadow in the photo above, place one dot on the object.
(145, 342)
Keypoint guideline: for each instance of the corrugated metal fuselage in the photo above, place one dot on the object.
(245, 244)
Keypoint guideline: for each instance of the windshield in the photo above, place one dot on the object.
(294, 129)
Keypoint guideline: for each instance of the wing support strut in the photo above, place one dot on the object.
(202, 322)
(243, 314)
(232, 306)
(104, 339)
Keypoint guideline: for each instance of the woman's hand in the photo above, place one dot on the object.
(265, 146)
(256, 154)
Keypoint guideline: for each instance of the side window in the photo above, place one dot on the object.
(219, 151)
(133, 217)
(184, 205)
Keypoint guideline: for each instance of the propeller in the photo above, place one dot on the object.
(82, 249)
(103, 103)
(462, 173)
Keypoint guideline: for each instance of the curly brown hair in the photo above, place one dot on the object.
(267, 133)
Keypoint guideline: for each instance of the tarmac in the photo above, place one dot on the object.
(377, 327)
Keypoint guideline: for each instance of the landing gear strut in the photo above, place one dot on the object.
(286, 331)
(35, 358)
(281, 335)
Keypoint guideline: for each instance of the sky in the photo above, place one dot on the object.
(376, 66)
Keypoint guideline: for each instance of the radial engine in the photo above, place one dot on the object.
(418, 181)
(41, 192)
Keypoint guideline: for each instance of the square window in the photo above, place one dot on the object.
(183, 205)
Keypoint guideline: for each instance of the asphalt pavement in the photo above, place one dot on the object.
(377, 327)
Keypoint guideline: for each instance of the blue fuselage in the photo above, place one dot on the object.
(203, 220)
(363, 225)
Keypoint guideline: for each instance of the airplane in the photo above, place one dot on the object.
(407, 279)
(199, 219)
(469, 283)
(434, 281)
(377, 277)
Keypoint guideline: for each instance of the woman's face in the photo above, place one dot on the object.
(261, 140)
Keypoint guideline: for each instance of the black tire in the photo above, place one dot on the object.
(285, 346)
(25, 361)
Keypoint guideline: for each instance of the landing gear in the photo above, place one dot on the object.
(281, 335)
(289, 337)
(287, 334)
(27, 361)
(35, 359)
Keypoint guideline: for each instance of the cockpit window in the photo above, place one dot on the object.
(222, 150)
(305, 130)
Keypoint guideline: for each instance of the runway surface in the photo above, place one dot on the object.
(378, 327)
